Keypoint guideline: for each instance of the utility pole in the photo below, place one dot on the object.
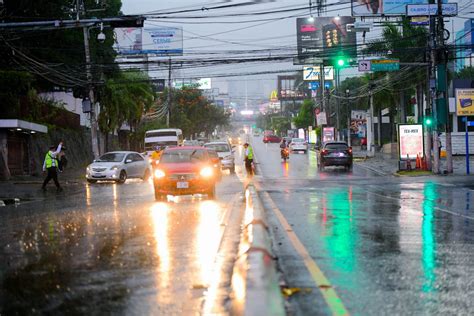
(168, 114)
(443, 82)
(338, 124)
(93, 120)
(348, 118)
(433, 59)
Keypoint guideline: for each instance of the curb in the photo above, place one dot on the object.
(9, 201)
(381, 173)
(255, 284)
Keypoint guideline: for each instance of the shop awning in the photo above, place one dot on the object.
(23, 126)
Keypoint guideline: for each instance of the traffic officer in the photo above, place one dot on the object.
(248, 159)
(51, 166)
(156, 155)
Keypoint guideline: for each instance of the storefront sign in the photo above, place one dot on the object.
(464, 102)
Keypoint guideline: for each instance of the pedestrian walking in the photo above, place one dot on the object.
(248, 159)
(50, 165)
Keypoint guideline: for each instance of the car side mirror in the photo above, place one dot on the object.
(128, 161)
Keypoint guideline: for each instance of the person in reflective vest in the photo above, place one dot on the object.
(51, 166)
(248, 159)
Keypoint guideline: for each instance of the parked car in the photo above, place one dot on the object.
(271, 139)
(226, 154)
(298, 144)
(335, 154)
(118, 166)
(183, 171)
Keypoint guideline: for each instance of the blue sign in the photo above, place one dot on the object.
(314, 85)
(327, 84)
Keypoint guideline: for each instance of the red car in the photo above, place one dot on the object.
(271, 139)
(183, 171)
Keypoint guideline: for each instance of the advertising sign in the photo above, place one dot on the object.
(204, 83)
(325, 37)
(311, 73)
(464, 102)
(328, 134)
(359, 123)
(162, 41)
(382, 7)
(410, 141)
(312, 137)
(321, 118)
(448, 9)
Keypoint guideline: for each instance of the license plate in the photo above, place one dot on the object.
(182, 185)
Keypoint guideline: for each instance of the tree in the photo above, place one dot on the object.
(305, 116)
(192, 112)
(124, 99)
(465, 73)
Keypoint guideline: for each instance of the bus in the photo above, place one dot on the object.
(163, 137)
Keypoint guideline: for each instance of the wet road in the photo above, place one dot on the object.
(365, 244)
(111, 249)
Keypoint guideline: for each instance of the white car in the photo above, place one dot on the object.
(118, 166)
(298, 144)
(226, 154)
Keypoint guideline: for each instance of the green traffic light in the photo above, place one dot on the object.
(340, 62)
(428, 121)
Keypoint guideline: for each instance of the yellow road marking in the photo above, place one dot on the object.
(330, 296)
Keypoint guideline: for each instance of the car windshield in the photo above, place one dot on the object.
(182, 156)
(111, 157)
(297, 140)
(153, 145)
(220, 148)
(336, 146)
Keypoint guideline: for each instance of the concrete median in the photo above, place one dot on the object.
(255, 285)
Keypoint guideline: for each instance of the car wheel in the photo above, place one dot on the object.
(91, 181)
(211, 194)
(146, 176)
(122, 177)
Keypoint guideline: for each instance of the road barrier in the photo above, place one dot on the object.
(255, 286)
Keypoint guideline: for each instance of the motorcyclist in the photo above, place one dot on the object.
(283, 148)
(156, 155)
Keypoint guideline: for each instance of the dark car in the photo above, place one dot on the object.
(335, 154)
(185, 170)
(271, 139)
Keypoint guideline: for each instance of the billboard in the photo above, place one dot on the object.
(325, 37)
(382, 7)
(161, 41)
(328, 134)
(410, 141)
(359, 123)
(311, 73)
(464, 102)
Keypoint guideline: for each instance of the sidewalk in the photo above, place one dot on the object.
(29, 187)
(384, 164)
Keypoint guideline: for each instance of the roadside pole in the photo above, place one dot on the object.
(466, 122)
(168, 101)
(433, 59)
(93, 120)
(370, 124)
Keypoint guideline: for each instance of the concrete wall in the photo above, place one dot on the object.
(71, 104)
(458, 141)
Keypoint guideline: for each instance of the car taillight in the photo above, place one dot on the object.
(324, 152)
(349, 150)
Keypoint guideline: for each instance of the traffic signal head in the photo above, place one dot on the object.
(428, 121)
(340, 62)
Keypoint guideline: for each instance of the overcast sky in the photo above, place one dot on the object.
(224, 34)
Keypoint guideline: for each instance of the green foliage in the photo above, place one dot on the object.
(465, 73)
(305, 116)
(192, 112)
(124, 99)
(280, 124)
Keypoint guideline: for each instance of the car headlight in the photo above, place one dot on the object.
(88, 168)
(159, 174)
(206, 172)
(114, 167)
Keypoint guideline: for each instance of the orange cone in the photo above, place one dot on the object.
(418, 162)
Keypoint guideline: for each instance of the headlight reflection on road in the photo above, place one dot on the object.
(159, 216)
(208, 238)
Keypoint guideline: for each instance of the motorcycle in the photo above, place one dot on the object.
(285, 154)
